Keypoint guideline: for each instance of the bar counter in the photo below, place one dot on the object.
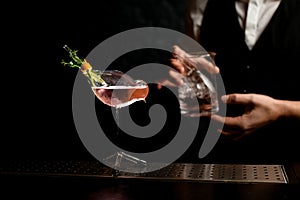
(90, 180)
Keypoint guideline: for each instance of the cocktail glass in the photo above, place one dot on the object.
(121, 90)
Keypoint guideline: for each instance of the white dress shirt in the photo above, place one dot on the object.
(253, 15)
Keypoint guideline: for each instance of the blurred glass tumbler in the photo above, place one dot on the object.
(198, 93)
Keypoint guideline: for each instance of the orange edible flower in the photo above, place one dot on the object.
(85, 66)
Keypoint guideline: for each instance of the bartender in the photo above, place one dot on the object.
(257, 46)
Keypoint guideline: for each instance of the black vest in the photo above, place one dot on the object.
(270, 68)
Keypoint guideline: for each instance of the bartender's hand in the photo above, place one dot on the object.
(260, 110)
(180, 61)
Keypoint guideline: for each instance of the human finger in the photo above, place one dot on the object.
(174, 80)
(207, 65)
(178, 65)
(244, 99)
(176, 76)
(165, 83)
(233, 123)
(193, 61)
(177, 51)
(232, 134)
(218, 118)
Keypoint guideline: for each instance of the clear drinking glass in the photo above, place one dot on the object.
(115, 89)
(198, 93)
(120, 91)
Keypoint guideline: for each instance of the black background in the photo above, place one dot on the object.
(36, 98)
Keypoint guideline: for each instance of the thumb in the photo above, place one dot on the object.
(243, 99)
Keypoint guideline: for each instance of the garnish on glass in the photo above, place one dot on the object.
(112, 87)
(84, 66)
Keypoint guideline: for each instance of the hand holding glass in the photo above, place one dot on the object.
(198, 92)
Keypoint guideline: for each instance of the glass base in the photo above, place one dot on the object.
(122, 161)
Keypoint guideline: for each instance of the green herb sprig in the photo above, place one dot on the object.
(72, 54)
(86, 68)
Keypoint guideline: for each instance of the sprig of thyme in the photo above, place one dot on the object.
(72, 54)
(86, 68)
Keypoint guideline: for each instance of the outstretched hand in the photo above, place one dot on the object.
(260, 110)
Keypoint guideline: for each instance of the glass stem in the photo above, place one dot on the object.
(118, 121)
(116, 172)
